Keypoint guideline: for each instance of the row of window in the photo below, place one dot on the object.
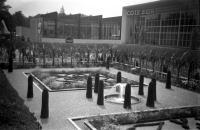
(87, 31)
(169, 19)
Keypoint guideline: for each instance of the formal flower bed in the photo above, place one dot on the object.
(56, 80)
(112, 122)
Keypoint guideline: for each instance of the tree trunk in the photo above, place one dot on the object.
(161, 66)
(33, 57)
(53, 63)
(153, 66)
(178, 71)
(111, 56)
(140, 65)
(22, 58)
(146, 64)
(189, 71)
(96, 57)
(80, 59)
(43, 58)
(62, 59)
(88, 58)
(71, 58)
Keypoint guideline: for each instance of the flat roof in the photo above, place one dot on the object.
(159, 4)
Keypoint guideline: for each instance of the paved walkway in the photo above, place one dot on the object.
(63, 105)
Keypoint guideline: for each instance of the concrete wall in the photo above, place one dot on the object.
(35, 35)
(57, 40)
(23, 31)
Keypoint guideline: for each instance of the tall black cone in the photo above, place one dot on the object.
(100, 99)
(168, 82)
(150, 97)
(127, 98)
(45, 104)
(119, 77)
(96, 84)
(154, 88)
(30, 87)
(89, 88)
(141, 84)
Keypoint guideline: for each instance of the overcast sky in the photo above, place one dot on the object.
(107, 8)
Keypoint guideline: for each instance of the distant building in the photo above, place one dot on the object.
(23, 33)
(83, 29)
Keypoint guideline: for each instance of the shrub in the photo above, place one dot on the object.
(30, 87)
(96, 83)
(45, 104)
(150, 96)
(127, 99)
(119, 77)
(141, 91)
(100, 100)
(89, 88)
(168, 83)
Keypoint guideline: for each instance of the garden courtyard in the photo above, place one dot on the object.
(68, 104)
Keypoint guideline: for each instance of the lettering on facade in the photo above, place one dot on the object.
(141, 12)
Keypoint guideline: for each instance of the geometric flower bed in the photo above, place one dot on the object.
(114, 121)
(75, 79)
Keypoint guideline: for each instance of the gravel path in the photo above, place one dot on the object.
(63, 105)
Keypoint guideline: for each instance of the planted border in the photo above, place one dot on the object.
(140, 116)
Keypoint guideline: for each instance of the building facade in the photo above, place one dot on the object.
(164, 23)
(23, 32)
(83, 29)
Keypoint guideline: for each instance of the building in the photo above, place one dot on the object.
(23, 33)
(164, 23)
(83, 29)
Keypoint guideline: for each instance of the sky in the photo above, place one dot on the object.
(107, 8)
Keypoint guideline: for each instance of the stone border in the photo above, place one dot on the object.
(72, 119)
(133, 97)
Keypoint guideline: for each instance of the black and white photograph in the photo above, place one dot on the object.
(99, 65)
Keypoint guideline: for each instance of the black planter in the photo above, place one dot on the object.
(168, 82)
(154, 88)
(150, 96)
(119, 77)
(45, 104)
(96, 83)
(89, 88)
(10, 65)
(127, 98)
(30, 87)
(141, 85)
(100, 99)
